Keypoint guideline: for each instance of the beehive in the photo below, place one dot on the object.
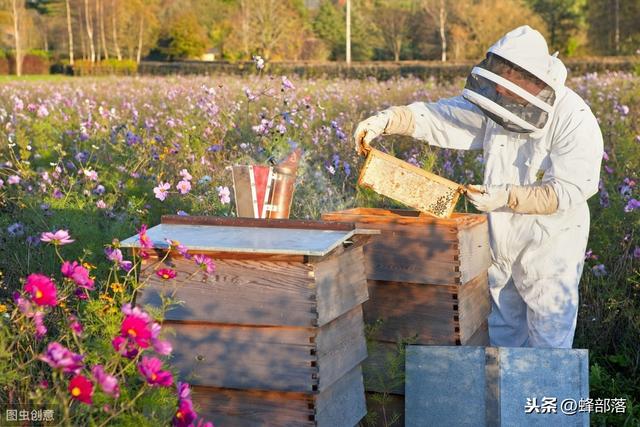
(427, 280)
(275, 335)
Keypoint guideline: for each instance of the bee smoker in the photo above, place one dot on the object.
(283, 185)
(265, 191)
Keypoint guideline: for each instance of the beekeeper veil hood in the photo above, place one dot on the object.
(518, 83)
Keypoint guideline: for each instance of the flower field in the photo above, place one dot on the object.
(85, 162)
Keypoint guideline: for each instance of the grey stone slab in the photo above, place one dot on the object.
(477, 386)
(445, 386)
(286, 241)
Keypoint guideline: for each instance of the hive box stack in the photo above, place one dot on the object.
(427, 280)
(275, 335)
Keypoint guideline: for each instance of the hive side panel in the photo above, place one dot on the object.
(252, 408)
(263, 358)
(343, 404)
(341, 284)
(480, 337)
(405, 310)
(475, 252)
(474, 305)
(341, 346)
(251, 292)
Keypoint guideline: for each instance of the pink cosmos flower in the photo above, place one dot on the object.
(108, 383)
(150, 368)
(13, 179)
(59, 238)
(38, 320)
(100, 204)
(75, 325)
(162, 190)
(78, 274)
(185, 415)
(205, 263)
(162, 347)
(136, 329)
(60, 357)
(42, 289)
(166, 273)
(144, 239)
(184, 187)
(185, 175)
(125, 347)
(81, 389)
(224, 195)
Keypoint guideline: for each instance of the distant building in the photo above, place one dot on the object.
(211, 54)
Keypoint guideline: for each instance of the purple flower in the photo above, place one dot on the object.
(162, 190)
(608, 169)
(632, 205)
(286, 83)
(214, 148)
(75, 325)
(1, 183)
(13, 179)
(599, 270)
(185, 175)
(15, 229)
(182, 213)
(605, 156)
(636, 252)
(99, 190)
(162, 347)
(57, 194)
(108, 383)
(60, 357)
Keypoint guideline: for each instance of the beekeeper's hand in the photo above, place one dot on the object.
(369, 129)
(488, 198)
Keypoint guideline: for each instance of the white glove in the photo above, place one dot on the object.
(369, 129)
(488, 198)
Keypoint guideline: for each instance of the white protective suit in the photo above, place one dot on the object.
(537, 259)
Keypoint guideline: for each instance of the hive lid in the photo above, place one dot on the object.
(238, 239)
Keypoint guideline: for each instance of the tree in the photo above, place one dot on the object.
(562, 19)
(184, 38)
(477, 24)
(392, 19)
(17, 10)
(613, 26)
(437, 9)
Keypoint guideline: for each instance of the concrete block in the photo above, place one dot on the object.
(478, 386)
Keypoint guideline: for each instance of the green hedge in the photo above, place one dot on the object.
(360, 70)
(124, 67)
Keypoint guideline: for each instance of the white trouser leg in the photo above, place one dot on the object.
(508, 318)
(552, 314)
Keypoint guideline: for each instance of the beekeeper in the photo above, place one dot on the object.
(542, 152)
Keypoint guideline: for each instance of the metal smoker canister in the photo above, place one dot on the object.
(282, 188)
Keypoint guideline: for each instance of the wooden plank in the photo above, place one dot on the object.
(474, 305)
(291, 241)
(411, 310)
(266, 358)
(383, 409)
(480, 337)
(250, 292)
(340, 347)
(403, 217)
(341, 284)
(256, 222)
(253, 408)
(343, 404)
(392, 266)
(475, 252)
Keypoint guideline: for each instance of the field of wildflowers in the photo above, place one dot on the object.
(85, 162)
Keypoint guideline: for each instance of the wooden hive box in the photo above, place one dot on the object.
(427, 280)
(276, 332)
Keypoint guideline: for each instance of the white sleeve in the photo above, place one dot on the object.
(576, 156)
(449, 123)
